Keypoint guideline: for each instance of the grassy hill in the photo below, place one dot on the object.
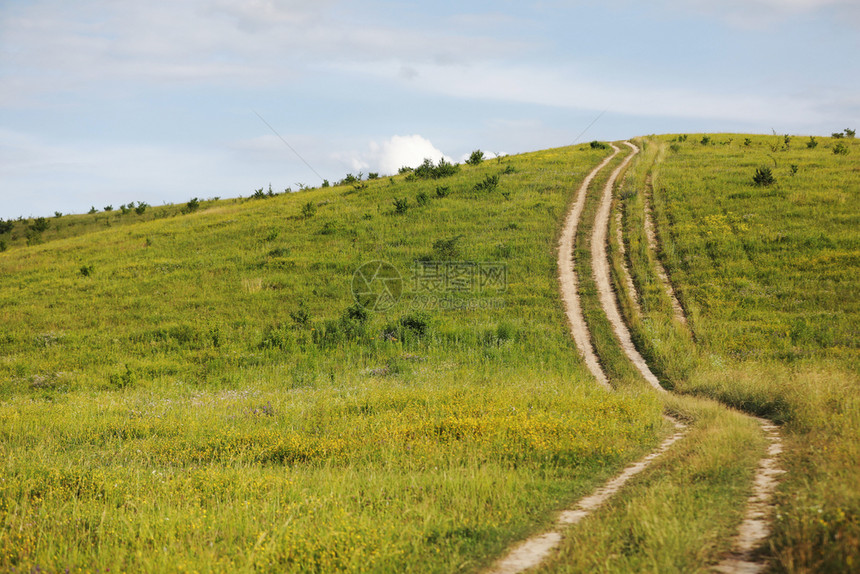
(200, 391)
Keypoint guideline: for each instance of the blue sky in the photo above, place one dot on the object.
(105, 102)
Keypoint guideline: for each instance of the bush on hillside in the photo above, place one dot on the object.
(841, 149)
(812, 143)
(309, 209)
(598, 145)
(39, 225)
(401, 205)
(489, 183)
(763, 177)
(428, 170)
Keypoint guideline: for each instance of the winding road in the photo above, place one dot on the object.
(755, 527)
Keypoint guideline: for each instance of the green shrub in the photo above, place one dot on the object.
(841, 149)
(488, 184)
(476, 157)
(747, 142)
(372, 175)
(812, 143)
(763, 177)
(192, 205)
(6, 226)
(442, 191)
(706, 140)
(401, 205)
(837, 135)
(509, 169)
(447, 248)
(141, 207)
(417, 322)
(259, 194)
(87, 270)
(92, 210)
(325, 183)
(598, 145)
(422, 198)
(849, 133)
(2, 245)
(309, 209)
(429, 171)
(108, 208)
(794, 168)
(58, 214)
(39, 225)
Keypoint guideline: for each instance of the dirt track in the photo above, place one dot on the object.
(756, 525)
(533, 551)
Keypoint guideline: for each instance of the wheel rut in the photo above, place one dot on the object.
(536, 549)
(755, 527)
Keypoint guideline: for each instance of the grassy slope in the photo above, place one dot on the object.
(769, 279)
(172, 408)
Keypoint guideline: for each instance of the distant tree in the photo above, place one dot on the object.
(93, 210)
(6, 226)
(849, 133)
(40, 224)
(192, 205)
(108, 208)
(58, 214)
(476, 157)
(141, 207)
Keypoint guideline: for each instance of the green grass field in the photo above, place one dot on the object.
(200, 392)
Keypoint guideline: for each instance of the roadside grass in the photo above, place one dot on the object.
(199, 392)
(768, 276)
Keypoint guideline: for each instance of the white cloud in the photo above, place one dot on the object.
(399, 151)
